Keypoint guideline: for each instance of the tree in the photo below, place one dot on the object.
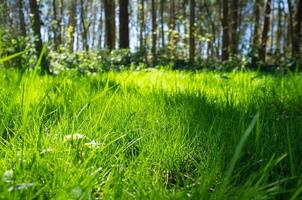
(109, 6)
(225, 30)
(21, 18)
(234, 27)
(124, 24)
(72, 24)
(256, 36)
(154, 32)
(162, 4)
(192, 31)
(84, 27)
(266, 25)
(296, 41)
(141, 10)
(36, 27)
(171, 20)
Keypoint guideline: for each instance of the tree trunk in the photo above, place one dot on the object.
(36, 27)
(55, 24)
(266, 25)
(124, 24)
(291, 26)
(234, 33)
(225, 31)
(192, 31)
(142, 24)
(279, 30)
(109, 6)
(162, 22)
(256, 36)
(154, 33)
(84, 27)
(72, 24)
(171, 21)
(297, 32)
(21, 18)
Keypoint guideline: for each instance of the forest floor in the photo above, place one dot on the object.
(151, 135)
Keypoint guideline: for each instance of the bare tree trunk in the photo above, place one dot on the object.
(291, 26)
(171, 20)
(225, 32)
(142, 23)
(36, 27)
(72, 25)
(256, 36)
(162, 23)
(297, 32)
(279, 30)
(154, 33)
(84, 27)
(55, 24)
(266, 25)
(100, 44)
(124, 24)
(109, 6)
(192, 31)
(234, 26)
(21, 18)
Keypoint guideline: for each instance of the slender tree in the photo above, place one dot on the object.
(109, 6)
(84, 26)
(171, 20)
(256, 36)
(21, 18)
(162, 20)
(124, 24)
(192, 31)
(225, 30)
(234, 27)
(297, 32)
(266, 25)
(154, 33)
(36, 27)
(72, 24)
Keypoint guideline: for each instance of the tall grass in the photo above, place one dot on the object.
(150, 135)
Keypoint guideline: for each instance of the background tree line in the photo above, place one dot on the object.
(258, 30)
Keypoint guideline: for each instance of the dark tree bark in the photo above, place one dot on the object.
(109, 6)
(154, 33)
(225, 30)
(279, 29)
(296, 41)
(171, 20)
(84, 27)
(192, 31)
(142, 24)
(36, 27)
(101, 25)
(72, 24)
(266, 25)
(162, 22)
(124, 24)
(21, 18)
(256, 36)
(234, 33)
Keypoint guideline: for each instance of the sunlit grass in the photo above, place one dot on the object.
(156, 135)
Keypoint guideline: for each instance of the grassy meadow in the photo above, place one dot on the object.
(151, 135)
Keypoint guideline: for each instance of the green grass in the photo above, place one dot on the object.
(150, 135)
